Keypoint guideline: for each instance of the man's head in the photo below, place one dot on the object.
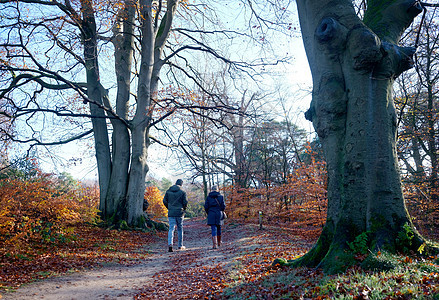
(215, 188)
(179, 182)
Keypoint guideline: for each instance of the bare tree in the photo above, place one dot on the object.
(55, 60)
(417, 106)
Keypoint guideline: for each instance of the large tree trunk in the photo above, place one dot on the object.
(123, 184)
(353, 65)
(154, 37)
(123, 49)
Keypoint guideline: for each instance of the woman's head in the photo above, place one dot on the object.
(214, 188)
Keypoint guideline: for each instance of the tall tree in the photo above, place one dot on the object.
(275, 152)
(354, 63)
(78, 32)
(51, 46)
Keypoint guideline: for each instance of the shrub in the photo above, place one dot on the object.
(35, 211)
(155, 201)
(195, 209)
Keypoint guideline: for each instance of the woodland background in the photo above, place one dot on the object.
(263, 161)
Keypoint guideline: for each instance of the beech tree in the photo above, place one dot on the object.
(55, 63)
(75, 32)
(354, 62)
(215, 142)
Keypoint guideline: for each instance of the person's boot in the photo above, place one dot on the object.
(170, 249)
(214, 241)
(218, 237)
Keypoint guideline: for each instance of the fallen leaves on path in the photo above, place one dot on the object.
(90, 247)
(205, 273)
(240, 269)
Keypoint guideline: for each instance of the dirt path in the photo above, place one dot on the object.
(148, 278)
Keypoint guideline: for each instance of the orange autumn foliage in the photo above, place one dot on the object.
(155, 201)
(300, 202)
(423, 206)
(38, 211)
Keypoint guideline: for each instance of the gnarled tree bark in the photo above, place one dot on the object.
(354, 64)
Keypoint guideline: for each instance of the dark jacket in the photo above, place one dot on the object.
(213, 206)
(175, 201)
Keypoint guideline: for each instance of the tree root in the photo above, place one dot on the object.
(335, 256)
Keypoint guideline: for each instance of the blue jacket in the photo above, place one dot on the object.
(213, 206)
(175, 201)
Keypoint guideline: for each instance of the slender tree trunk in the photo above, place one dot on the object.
(431, 140)
(138, 170)
(237, 131)
(203, 157)
(419, 171)
(141, 120)
(238, 142)
(354, 64)
(94, 92)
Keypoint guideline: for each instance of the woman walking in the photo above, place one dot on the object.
(213, 206)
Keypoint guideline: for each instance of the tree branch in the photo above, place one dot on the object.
(22, 112)
(160, 142)
(425, 4)
(39, 80)
(389, 19)
(40, 143)
(67, 9)
(78, 87)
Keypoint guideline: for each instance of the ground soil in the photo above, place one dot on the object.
(150, 278)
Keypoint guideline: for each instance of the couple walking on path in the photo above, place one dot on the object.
(175, 201)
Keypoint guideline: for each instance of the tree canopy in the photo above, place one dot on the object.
(76, 68)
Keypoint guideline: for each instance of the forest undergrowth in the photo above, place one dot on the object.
(243, 268)
(47, 231)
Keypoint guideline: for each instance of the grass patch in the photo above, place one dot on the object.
(398, 277)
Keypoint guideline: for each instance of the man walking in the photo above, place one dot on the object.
(176, 203)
